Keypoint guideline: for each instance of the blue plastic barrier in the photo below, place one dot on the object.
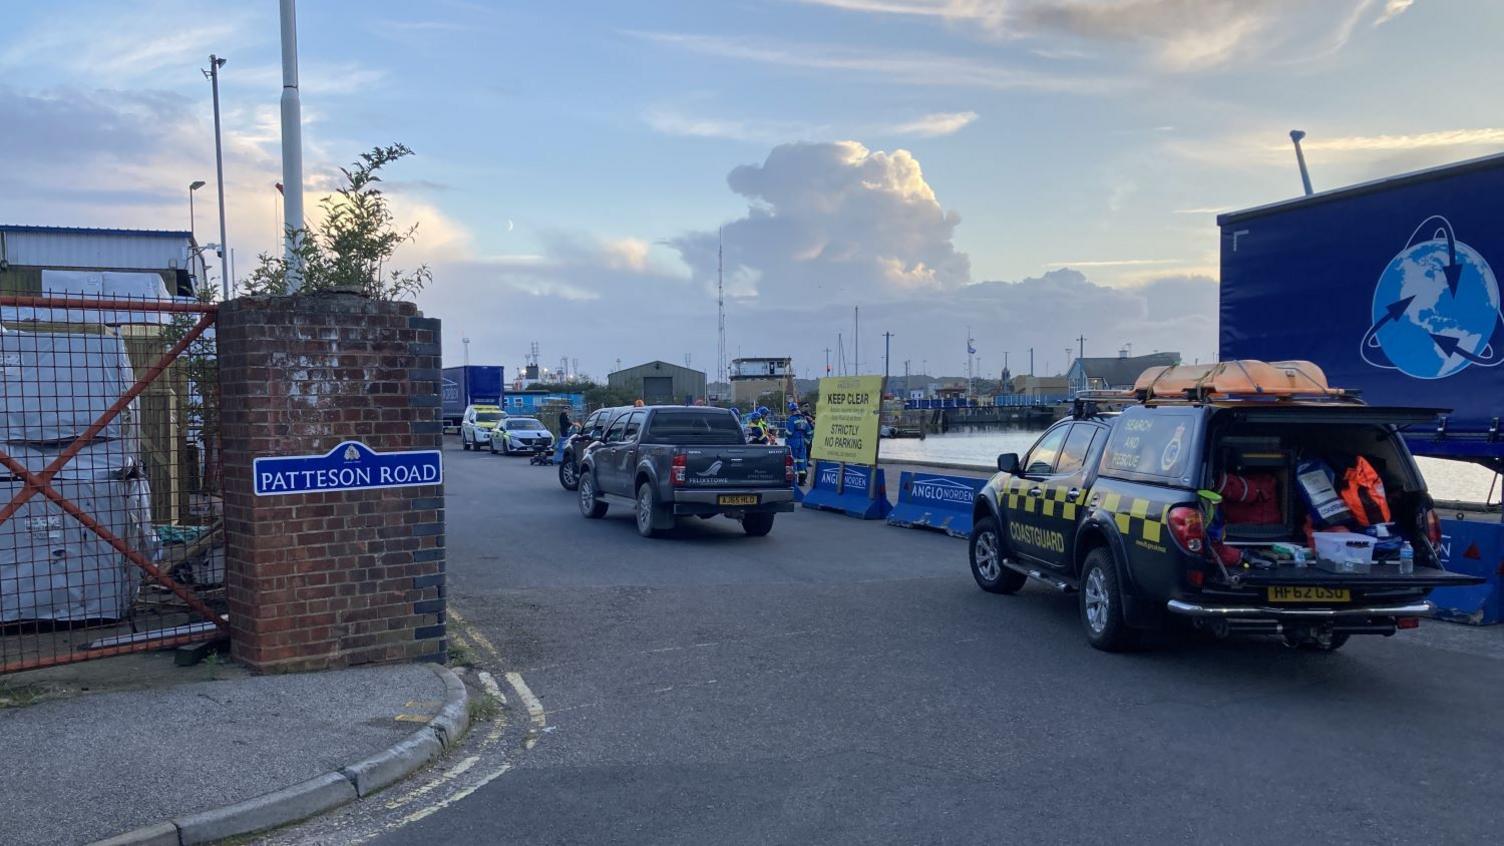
(933, 501)
(850, 495)
(1477, 549)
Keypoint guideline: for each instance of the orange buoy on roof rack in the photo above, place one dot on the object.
(1238, 379)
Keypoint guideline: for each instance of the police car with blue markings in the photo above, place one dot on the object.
(1122, 509)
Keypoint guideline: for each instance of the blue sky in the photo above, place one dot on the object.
(938, 162)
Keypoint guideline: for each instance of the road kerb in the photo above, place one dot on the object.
(322, 793)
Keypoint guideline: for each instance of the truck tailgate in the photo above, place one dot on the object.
(1382, 577)
(734, 466)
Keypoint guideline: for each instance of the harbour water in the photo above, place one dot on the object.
(1448, 480)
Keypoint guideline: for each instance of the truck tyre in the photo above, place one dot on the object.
(648, 512)
(569, 474)
(590, 506)
(987, 560)
(464, 441)
(1102, 603)
(758, 525)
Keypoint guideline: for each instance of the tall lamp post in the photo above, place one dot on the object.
(215, 63)
(292, 145)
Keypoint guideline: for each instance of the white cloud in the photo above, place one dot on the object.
(129, 44)
(935, 125)
(1112, 262)
(1483, 136)
(902, 67)
(831, 222)
(1179, 35)
(1392, 10)
(828, 225)
(671, 121)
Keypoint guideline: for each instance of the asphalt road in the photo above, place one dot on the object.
(846, 682)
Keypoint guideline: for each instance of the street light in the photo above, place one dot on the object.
(1300, 158)
(192, 186)
(212, 73)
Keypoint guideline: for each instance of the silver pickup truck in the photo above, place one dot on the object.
(671, 461)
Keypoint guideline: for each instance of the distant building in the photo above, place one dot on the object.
(1114, 374)
(660, 383)
(533, 402)
(753, 377)
(1040, 387)
(26, 251)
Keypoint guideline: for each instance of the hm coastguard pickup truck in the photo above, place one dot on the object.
(1109, 506)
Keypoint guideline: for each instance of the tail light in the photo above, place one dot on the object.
(677, 469)
(1432, 525)
(1186, 526)
(788, 468)
(1407, 623)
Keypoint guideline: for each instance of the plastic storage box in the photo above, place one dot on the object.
(1343, 552)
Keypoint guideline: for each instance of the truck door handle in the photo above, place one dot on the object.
(1073, 494)
(1096, 498)
(1035, 491)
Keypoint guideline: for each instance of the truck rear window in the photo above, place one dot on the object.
(1154, 443)
(693, 427)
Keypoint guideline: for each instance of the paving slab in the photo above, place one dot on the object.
(95, 765)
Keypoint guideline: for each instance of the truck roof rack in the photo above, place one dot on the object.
(1241, 380)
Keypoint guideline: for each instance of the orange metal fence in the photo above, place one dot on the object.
(110, 532)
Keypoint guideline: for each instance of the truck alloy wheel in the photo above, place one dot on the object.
(647, 510)
(569, 475)
(987, 555)
(589, 505)
(1102, 604)
(1096, 601)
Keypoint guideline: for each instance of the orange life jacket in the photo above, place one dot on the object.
(1363, 491)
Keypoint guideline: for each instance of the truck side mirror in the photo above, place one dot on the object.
(1007, 462)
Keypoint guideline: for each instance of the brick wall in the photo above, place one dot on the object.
(336, 578)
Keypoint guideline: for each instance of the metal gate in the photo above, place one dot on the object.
(111, 537)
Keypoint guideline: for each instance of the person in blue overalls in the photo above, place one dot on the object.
(801, 432)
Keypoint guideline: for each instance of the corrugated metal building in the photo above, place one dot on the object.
(25, 251)
(660, 383)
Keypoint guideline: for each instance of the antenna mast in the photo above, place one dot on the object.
(720, 305)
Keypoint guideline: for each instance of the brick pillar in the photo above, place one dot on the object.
(331, 579)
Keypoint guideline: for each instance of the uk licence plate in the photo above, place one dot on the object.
(738, 499)
(1308, 593)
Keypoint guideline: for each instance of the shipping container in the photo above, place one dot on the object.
(1389, 287)
(475, 384)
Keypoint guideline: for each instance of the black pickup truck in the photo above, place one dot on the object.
(1108, 506)
(572, 449)
(671, 461)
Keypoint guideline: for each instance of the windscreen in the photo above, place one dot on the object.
(487, 416)
(694, 427)
(523, 423)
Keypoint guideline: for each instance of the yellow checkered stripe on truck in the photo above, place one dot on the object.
(1135, 517)
(1054, 500)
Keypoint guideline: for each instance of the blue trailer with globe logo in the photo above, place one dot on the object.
(1391, 287)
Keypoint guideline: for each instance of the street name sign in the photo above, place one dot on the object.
(351, 466)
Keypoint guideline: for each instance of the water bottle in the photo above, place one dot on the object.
(1407, 558)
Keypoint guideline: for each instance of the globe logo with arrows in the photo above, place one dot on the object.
(1435, 308)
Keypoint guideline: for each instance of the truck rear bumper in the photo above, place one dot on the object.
(769, 500)
(1265, 612)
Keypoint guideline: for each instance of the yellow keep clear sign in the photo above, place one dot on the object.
(846, 421)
